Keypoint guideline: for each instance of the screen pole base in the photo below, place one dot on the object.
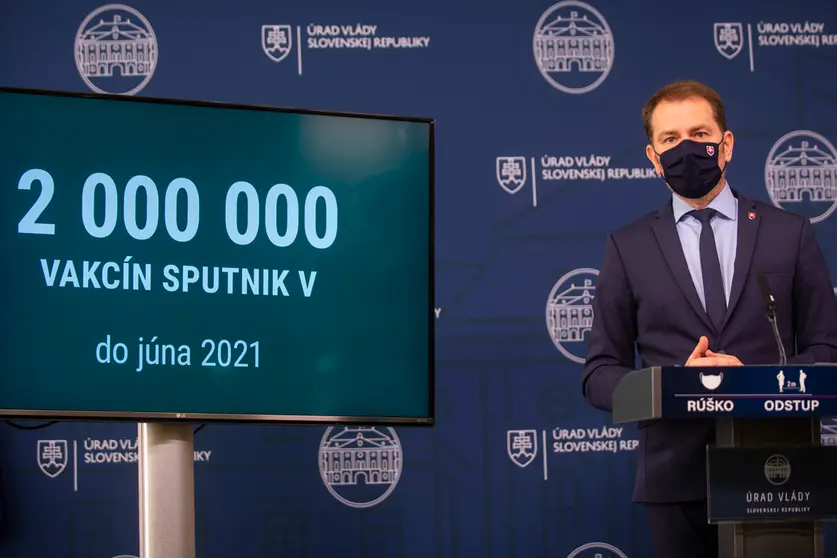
(166, 490)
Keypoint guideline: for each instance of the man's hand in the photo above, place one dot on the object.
(702, 356)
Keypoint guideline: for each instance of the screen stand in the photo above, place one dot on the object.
(167, 490)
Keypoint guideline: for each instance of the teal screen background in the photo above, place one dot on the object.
(359, 346)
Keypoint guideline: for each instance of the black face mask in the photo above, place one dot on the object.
(691, 168)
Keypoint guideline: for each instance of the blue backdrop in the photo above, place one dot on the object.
(539, 155)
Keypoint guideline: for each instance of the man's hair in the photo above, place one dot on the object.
(680, 91)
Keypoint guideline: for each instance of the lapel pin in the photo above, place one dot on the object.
(751, 215)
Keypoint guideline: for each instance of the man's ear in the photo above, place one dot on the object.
(652, 156)
(728, 142)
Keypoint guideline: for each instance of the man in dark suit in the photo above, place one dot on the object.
(679, 285)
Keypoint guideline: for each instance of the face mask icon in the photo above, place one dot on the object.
(710, 381)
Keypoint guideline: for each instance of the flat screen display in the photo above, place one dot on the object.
(180, 260)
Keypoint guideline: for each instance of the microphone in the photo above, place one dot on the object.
(770, 305)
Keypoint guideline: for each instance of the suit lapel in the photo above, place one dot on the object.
(665, 229)
(748, 228)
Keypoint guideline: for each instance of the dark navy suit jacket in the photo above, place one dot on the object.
(645, 299)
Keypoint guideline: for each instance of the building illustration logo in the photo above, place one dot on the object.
(800, 174)
(597, 550)
(573, 47)
(777, 469)
(116, 50)
(569, 312)
(360, 466)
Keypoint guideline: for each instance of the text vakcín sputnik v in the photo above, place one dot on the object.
(132, 275)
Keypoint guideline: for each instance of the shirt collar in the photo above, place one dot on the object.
(724, 203)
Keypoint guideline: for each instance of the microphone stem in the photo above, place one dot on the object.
(771, 317)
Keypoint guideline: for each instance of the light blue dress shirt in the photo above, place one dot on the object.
(724, 225)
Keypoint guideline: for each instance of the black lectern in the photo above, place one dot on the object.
(769, 481)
